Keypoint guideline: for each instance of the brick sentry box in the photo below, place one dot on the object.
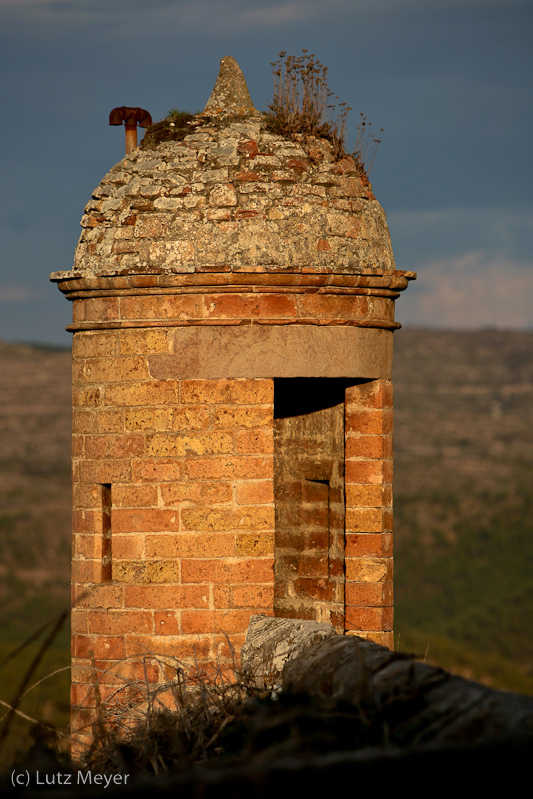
(233, 312)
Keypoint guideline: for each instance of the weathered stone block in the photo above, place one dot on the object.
(271, 643)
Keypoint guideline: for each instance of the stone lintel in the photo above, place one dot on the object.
(266, 351)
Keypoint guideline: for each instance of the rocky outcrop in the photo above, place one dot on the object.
(415, 702)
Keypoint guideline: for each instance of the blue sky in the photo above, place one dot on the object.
(449, 81)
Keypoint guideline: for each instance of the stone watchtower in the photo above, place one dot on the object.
(233, 303)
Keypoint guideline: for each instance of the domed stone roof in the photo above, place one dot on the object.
(232, 196)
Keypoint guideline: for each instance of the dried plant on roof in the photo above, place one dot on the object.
(303, 104)
(366, 144)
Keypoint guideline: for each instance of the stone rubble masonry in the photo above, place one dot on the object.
(233, 197)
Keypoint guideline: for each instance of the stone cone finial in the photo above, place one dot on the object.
(230, 92)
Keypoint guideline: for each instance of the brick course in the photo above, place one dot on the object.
(191, 529)
(368, 552)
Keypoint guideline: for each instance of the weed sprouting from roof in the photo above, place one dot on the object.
(304, 104)
(174, 127)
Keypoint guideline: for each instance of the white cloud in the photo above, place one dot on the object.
(506, 219)
(475, 289)
(17, 294)
(419, 236)
(357, 5)
(231, 16)
(126, 18)
(282, 13)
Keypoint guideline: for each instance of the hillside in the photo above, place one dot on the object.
(463, 493)
(463, 469)
(35, 494)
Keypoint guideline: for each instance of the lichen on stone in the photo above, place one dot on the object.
(230, 92)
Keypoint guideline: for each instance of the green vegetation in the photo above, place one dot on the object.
(463, 477)
(174, 127)
(464, 581)
(448, 653)
(45, 699)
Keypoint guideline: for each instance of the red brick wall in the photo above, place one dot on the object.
(173, 523)
(368, 476)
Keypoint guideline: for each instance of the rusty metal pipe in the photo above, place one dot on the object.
(131, 117)
(131, 137)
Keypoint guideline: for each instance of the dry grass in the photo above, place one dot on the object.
(168, 727)
(366, 145)
(142, 728)
(304, 104)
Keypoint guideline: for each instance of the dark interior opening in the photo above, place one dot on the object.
(107, 562)
(296, 396)
(309, 498)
